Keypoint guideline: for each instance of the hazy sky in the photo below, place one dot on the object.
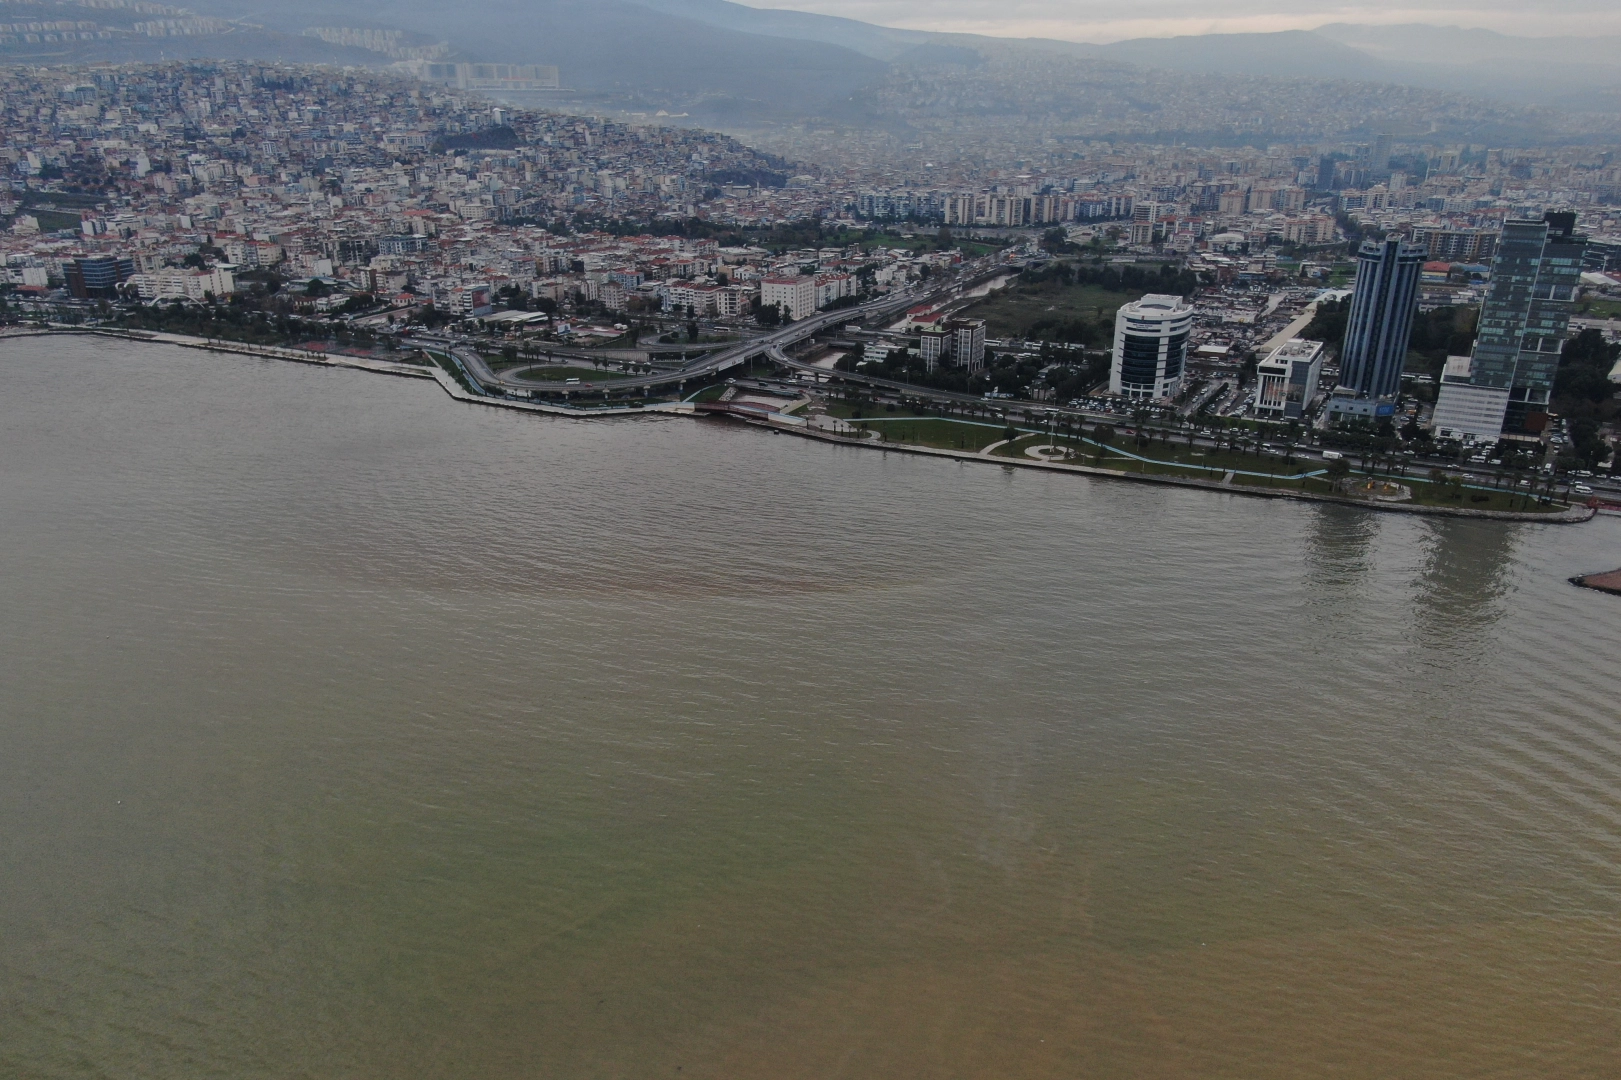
(1110, 20)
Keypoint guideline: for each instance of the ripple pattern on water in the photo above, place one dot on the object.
(348, 731)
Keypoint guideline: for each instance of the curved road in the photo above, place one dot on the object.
(715, 362)
(708, 365)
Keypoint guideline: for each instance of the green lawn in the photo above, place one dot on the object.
(846, 411)
(454, 372)
(1176, 459)
(1205, 457)
(1599, 309)
(1215, 466)
(932, 432)
(926, 242)
(1470, 499)
(1014, 310)
(53, 220)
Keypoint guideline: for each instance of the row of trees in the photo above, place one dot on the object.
(1584, 395)
(1437, 334)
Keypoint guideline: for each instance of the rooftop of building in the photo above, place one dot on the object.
(1457, 369)
(1158, 302)
(1297, 349)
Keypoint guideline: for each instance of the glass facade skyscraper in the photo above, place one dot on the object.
(1526, 316)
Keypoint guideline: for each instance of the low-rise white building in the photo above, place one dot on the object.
(172, 283)
(1288, 379)
(1465, 411)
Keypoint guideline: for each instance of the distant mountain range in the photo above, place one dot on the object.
(1567, 71)
(736, 67)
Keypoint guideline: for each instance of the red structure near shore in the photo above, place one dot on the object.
(1610, 582)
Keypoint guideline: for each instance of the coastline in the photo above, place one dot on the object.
(1574, 515)
(358, 363)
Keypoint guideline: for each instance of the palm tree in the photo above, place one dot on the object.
(1102, 435)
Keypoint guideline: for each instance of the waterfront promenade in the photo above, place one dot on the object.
(785, 425)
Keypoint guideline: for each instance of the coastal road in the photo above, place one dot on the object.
(714, 363)
(719, 360)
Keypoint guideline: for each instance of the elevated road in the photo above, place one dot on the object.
(716, 362)
(720, 360)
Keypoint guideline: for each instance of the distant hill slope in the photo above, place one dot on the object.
(606, 45)
(1562, 70)
(878, 42)
(729, 66)
(1288, 54)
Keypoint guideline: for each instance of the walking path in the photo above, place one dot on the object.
(1572, 515)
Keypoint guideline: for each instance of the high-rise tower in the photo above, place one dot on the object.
(1379, 158)
(1526, 316)
(1378, 328)
(1505, 385)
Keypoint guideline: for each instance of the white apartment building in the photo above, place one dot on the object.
(956, 341)
(795, 295)
(831, 287)
(734, 301)
(172, 283)
(934, 345)
(968, 342)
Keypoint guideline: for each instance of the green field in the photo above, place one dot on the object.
(1016, 310)
(1599, 309)
(1177, 458)
(846, 411)
(1431, 495)
(933, 432)
(1340, 274)
(904, 428)
(49, 220)
(922, 242)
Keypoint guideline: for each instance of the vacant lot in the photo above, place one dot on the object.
(1050, 310)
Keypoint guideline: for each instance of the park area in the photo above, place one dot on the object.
(1174, 457)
